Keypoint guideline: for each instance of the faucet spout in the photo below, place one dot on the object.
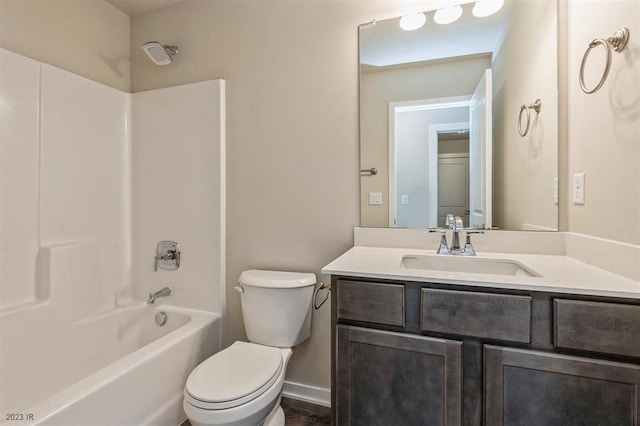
(163, 292)
(456, 226)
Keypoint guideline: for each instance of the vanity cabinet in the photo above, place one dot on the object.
(425, 353)
(525, 387)
(389, 378)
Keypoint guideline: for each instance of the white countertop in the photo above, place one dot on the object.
(560, 274)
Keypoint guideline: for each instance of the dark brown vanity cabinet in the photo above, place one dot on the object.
(525, 387)
(389, 378)
(408, 353)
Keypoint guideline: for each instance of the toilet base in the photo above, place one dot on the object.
(276, 417)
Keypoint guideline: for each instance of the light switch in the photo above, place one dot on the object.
(405, 200)
(375, 198)
(578, 189)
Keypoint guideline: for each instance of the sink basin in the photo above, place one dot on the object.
(468, 264)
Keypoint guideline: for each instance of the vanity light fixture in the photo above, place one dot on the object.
(448, 14)
(484, 8)
(413, 21)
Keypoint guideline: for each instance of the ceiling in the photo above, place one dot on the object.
(137, 7)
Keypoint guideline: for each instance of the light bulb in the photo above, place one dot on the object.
(412, 22)
(447, 15)
(484, 8)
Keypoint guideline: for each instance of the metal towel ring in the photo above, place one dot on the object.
(315, 294)
(536, 106)
(617, 41)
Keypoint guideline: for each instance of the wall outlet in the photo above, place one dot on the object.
(375, 198)
(578, 189)
(405, 200)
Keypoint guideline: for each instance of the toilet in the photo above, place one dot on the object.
(242, 384)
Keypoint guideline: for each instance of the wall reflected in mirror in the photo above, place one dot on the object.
(439, 109)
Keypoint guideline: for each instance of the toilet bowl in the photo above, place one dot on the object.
(242, 384)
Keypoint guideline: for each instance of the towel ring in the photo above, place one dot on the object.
(536, 106)
(617, 41)
(315, 294)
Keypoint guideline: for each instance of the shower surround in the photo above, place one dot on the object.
(91, 178)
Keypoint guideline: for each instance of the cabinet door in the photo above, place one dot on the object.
(386, 378)
(525, 387)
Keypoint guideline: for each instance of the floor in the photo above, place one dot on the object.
(298, 413)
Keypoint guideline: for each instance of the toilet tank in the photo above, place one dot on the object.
(276, 306)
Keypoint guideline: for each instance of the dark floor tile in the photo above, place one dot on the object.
(299, 413)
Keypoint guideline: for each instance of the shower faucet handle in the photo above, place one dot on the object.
(167, 256)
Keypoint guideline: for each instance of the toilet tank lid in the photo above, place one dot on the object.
(277, 279)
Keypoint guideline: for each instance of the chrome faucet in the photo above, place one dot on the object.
(167, 256)
(456, 225)
(163, 292)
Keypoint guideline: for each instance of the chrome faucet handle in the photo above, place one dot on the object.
(167, 256)
(450, 221)
(457, 224)
(468, 247)
(443, 248)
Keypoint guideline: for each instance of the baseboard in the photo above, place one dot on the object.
(306, 393)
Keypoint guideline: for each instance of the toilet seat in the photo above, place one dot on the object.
(234, 376)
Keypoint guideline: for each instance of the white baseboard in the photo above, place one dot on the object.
(306, 393)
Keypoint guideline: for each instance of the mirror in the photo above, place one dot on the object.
(442, 111)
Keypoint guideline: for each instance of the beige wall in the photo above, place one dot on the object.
(292, 118)
(291, 69)
(604, 128)
(88, 38)
(525, 69)
(292, 132)
(377, 90)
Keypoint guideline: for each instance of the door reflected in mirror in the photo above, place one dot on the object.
(438, 120)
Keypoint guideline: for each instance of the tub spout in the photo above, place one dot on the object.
(163, 292)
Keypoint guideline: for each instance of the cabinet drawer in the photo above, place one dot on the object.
(599, 327)
(371, 302)
(485, 315)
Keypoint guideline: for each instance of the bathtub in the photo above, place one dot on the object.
(115, 368)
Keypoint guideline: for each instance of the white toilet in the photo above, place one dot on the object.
(242, 384)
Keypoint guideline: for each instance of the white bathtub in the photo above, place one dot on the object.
(116, 368)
